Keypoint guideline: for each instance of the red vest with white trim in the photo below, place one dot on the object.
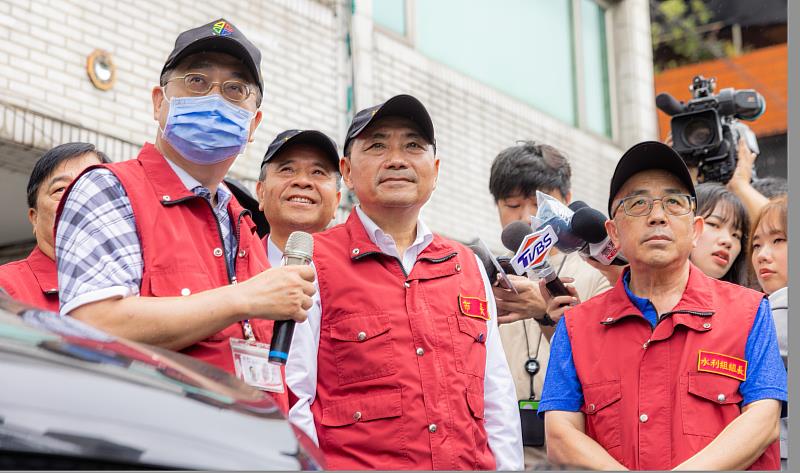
(654, 398)
(400, 366)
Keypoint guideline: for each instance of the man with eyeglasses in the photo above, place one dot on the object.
(165, 228)
(671, 368)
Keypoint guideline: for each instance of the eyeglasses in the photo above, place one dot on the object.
(640, 205)
(199, 84)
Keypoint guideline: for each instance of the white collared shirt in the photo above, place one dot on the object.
(502, 422)
(274, 254)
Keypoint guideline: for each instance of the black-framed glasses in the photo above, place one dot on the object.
(199, 84)
(641, 205)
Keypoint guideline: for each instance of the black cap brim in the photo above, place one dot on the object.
(643, 157)
(309, 137)
(403, 105)
(218, 44)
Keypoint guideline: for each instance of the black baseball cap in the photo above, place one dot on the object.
(309, 137)
(218, 36)
(645, 156)
(402, 105)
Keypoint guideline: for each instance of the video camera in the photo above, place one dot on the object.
(706, 130)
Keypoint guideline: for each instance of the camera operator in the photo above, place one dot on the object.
(716, 146)
(516, 174)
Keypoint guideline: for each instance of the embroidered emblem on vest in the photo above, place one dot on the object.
(474, 307)
(725, 365)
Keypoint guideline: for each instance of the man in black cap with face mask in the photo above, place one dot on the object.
(164, 227)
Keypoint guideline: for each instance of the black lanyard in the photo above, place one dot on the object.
(532, 365)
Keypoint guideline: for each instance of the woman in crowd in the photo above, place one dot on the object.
(719, 249)
(769, 255)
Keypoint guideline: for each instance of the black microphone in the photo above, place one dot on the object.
(299, 250)
(486, 259)
(576, 205)
(589, 224)
(514, 233)
(512, 237)
(669, 104)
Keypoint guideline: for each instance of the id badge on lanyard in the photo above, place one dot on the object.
(251, 362)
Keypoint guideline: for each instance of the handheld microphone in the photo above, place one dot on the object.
(512, 238)
(492, 266)
(589, 224)
(299, 250)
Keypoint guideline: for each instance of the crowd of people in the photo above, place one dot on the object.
(405, 355)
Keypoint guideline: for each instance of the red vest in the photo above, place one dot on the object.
(648, 398)
(182, 247)
(400, 368)
(33, 280)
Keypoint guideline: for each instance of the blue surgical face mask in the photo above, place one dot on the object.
(206, 129)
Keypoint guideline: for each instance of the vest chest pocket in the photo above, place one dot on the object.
(469, 343)
(708, 403)
(602, 411)
(362, 346)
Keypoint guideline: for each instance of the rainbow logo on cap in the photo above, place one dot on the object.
(222, 28)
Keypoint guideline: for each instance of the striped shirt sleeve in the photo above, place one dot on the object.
(98, 251)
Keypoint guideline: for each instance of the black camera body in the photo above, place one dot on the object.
(706, 129)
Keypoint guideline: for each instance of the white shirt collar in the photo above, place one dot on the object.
(274, 254)
(387, 245)
(223, 194)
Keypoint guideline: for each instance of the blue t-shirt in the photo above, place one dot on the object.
(766, 375)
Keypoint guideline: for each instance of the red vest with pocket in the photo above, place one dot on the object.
(400, 366)
(33, 280)
(183, 251)
(655, 398)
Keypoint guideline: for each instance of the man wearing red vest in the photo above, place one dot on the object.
(400, 364)
(298, 188)
(164, 227)
(669, 368)
(33, 280)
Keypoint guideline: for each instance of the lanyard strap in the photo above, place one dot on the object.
(535, 355)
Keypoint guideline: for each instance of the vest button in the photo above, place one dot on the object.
(218, 252)
(357, 415)
(361, 336)
(721, 397)
(185, 291)
(407, 284)
(166, 198)
(432, 428)
(242, 253)
(706, 325)
(356, 251)
(420, 351)
(591, 407)
(481, 337)
(458, 267)
(643, 418)
(610, 319)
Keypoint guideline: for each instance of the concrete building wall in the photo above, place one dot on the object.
(474, 121)
(309, 65)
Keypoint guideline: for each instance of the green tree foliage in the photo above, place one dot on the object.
(682, 33)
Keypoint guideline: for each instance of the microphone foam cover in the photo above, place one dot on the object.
(514, 233)
(589, 224)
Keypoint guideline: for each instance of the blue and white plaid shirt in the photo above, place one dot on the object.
(98, 251)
